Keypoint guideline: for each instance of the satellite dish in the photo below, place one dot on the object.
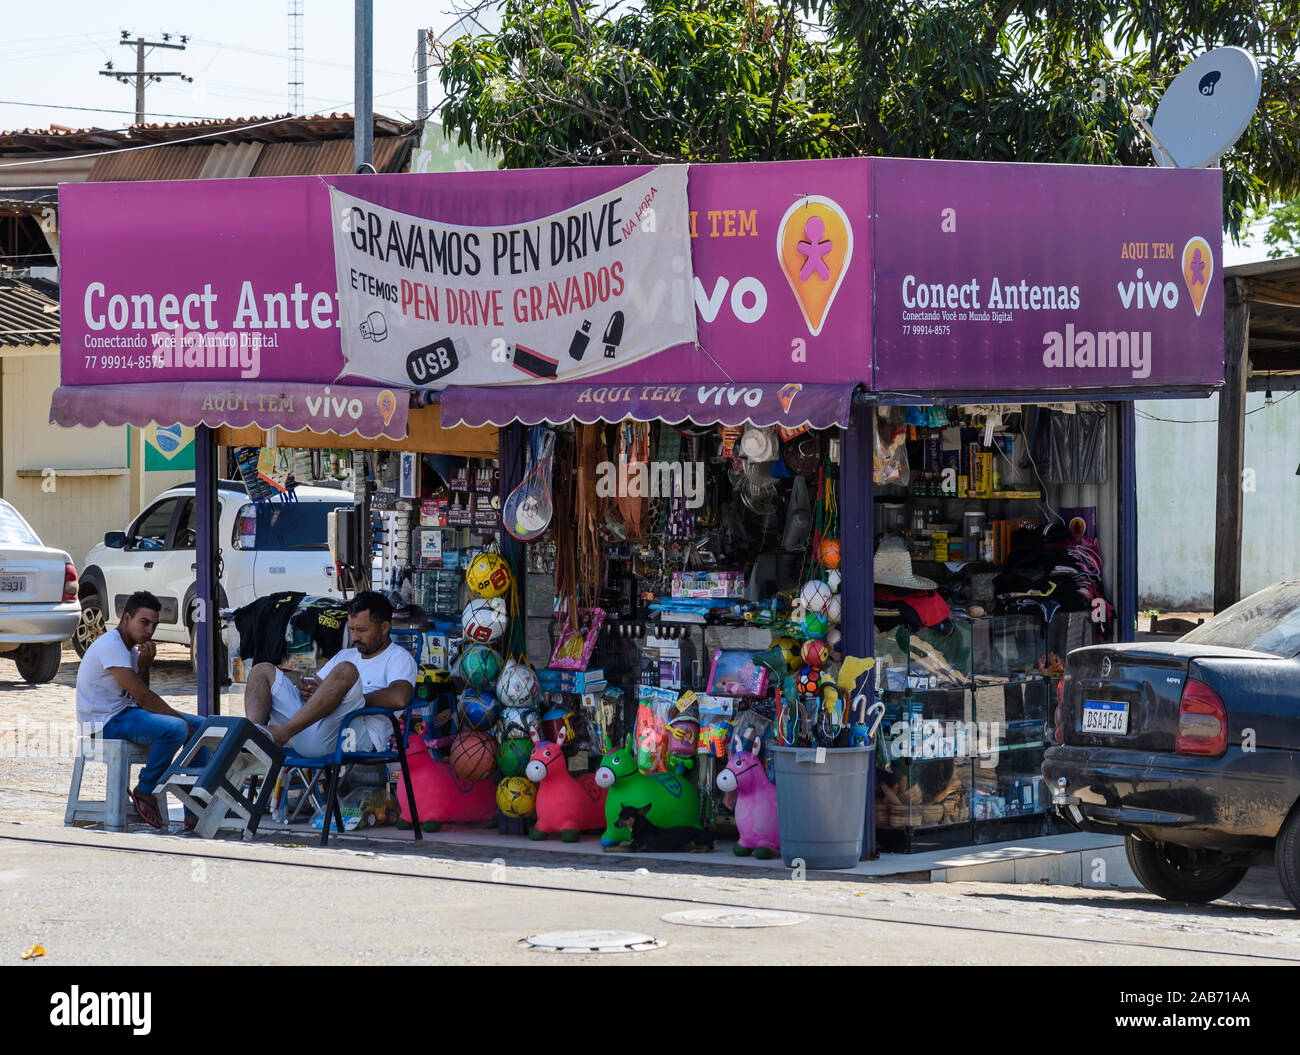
(1205, 110)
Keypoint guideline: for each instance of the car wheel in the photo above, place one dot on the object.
(92, 624)
(39, 663)
(1287, 854)
(1168, 872)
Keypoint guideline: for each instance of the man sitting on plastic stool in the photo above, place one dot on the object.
(374, 672)
(115, 702)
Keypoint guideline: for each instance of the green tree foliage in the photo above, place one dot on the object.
(1282, 233)
(566, 82)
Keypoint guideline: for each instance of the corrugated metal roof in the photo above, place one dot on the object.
(328, 158)
(230, 160)
(273, 128)
(29, 312)
(180, 162)
(49, 173)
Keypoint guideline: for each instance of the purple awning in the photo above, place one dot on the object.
(341, 409)
(820, 406)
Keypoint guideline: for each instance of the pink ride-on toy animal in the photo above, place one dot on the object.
(755, 804)
(440, 796)
(564, 804)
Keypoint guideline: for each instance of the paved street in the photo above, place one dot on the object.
(91, 897)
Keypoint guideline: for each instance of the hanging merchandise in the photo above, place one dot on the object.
(479, 666)
(798, 517)
(757, 445)
(527, 510)
(488, 574)
(803, 454)
(484, 619)
(260, 489)
(517, 686)
(633, 464)
(477, 709)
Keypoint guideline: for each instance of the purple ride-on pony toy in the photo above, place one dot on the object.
(755, 804)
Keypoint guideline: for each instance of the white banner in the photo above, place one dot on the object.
(563, 297)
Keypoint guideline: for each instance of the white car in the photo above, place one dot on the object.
(38, 599)
(279, 546)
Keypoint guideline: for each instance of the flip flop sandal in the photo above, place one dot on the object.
(147, 807)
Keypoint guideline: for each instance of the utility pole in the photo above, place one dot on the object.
(363, 118)
(422, 75)
(141, 76)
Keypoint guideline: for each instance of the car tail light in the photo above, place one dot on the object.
(1202, 721)
(69, 582)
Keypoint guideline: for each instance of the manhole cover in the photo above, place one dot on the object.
(591, 941)
(733, 917)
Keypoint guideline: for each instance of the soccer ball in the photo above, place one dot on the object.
(484, 619)
(477, 709)
(488, 574)
(832, 612)
(790, 649)
(516, 796)
(513, 755)
(815, 595)
(480, 666)
(806, 681)
(833, 579)
(473, 755)
(816, 653)
(815, 624)
(830, 552)
(517, 686)
(517, 722)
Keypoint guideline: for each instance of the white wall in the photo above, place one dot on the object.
(1176, 467)
(76, 512)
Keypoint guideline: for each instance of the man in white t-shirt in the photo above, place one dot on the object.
(374, 672)
(115, 702)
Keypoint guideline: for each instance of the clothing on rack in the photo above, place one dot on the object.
(262, 624)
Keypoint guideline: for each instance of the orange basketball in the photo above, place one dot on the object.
(473, 755)
(830, 552)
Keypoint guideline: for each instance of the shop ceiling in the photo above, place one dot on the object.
(1271, 289)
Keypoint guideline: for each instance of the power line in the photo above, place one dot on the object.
(99, 110)
(1211, 421)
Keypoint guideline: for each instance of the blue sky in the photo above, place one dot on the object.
(237, 55)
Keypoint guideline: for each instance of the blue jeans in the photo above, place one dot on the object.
(163, 734)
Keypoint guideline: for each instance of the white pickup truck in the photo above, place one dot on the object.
(279, 546)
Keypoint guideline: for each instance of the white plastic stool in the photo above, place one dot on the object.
(119, 756)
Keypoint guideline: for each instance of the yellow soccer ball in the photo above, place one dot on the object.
(488, 574)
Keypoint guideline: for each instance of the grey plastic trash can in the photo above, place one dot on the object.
(821, 806)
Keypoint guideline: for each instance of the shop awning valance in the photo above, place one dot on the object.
(793, 404)
(341, 409)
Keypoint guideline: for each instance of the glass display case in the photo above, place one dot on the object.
(962, 740)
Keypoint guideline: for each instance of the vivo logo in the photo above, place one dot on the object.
(327, 406)
(751, 397)
(1147, 294)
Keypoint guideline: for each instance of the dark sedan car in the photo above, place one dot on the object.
(1190, 750)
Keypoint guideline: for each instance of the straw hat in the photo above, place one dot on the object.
(758, 445)
(893, 566)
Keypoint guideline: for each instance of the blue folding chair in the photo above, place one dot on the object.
(411, 640)
(331, 764)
